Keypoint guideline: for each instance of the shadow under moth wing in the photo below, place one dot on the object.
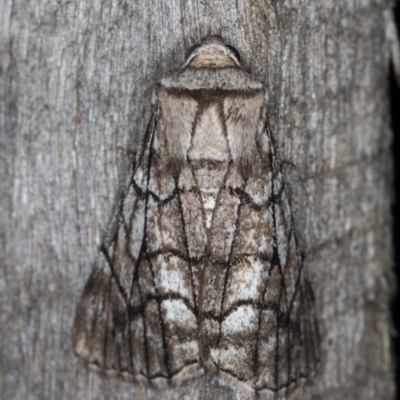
(202, 273)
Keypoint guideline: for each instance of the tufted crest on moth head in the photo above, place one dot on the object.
(212, 53)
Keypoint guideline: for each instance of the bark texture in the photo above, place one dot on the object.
(75, 94)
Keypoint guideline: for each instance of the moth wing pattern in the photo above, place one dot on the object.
(126, 319)
(202, 273)
(261, 329)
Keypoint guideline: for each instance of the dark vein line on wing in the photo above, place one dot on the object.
(160, 316)
(188, 259)
(229, 263)
(142, 250)
(256, 361)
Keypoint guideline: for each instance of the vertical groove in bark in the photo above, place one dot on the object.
(75, 87)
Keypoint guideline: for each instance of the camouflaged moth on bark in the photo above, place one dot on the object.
(202, 274)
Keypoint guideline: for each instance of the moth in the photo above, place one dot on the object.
(202, 273)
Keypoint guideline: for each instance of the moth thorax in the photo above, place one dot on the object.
(209, 140)
(209, 156)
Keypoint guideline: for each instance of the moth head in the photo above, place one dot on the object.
(212, 52)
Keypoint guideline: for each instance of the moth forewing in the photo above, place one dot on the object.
(203, 274)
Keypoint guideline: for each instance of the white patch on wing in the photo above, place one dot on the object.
(140, 177)
(171, 277)
(175, 310)
(209, 190)
(209, 204)
(228, 357)
(244, 319)
(208, 219)
(277, 184)
(246, 281)
(137, 230)
(208, 201)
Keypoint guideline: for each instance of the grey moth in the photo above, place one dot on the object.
(201, 273)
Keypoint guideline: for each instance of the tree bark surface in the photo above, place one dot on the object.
(75, 97)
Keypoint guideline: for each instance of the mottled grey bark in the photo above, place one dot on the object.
(75, 91)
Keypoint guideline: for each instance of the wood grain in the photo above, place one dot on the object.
(75, 88)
